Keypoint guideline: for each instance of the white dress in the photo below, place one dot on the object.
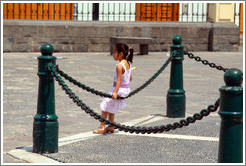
(113, 105)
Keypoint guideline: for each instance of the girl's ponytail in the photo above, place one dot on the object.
(127, 51)
(130, 55)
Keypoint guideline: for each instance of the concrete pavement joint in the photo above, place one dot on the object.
(174, 136)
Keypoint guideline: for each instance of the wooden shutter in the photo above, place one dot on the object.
(40, 11)
(157, 11)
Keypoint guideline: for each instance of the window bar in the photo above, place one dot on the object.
(206, 11)
(124, 11)
(88, 12)
(202, 11)
(187, 15)
(198, 12)
(103, 15)
(130, 9)
(108, 11)
(181, 11)
(119, 12)
(114, 12)
(188, 12)
(102, 12)
(84, 12)
(105, 12)
(192, 12)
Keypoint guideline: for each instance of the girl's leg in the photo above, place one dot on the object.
(104, 115)
(111, 118)
(101, 129)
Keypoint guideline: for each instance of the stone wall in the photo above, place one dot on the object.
(76, 36)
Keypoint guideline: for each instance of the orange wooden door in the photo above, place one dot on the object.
(40, 11)
(157, 11)
(241, 19)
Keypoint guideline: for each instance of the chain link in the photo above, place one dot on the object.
(205, 62)
(131, 129)
(102, 94)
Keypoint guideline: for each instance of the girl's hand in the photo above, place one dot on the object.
(114, 95)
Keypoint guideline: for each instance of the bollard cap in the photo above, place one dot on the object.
(47, 49)
(177, 40)
(233, 77)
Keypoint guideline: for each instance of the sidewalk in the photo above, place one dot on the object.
(196, 143)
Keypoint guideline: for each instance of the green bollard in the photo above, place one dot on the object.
(45, 126)
(176, 93)
(231, 113)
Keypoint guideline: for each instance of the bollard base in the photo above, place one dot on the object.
(230, 145)
(175, 105)
(45, 137)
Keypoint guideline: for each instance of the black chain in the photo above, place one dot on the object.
(205, 62)
(102, 94)
(131, 129)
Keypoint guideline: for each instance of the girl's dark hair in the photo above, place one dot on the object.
(128, 52)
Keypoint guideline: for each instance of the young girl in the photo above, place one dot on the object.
(122, 78)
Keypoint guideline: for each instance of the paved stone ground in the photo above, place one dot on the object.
(201, 83)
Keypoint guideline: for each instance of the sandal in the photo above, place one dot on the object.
(109, 129)
(100, 130)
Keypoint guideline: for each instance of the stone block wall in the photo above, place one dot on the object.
(76, 36)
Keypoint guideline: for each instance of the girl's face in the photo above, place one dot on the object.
(116, 55)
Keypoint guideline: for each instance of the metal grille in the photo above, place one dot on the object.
(193, 12)
(237, 14)
(106, 12)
